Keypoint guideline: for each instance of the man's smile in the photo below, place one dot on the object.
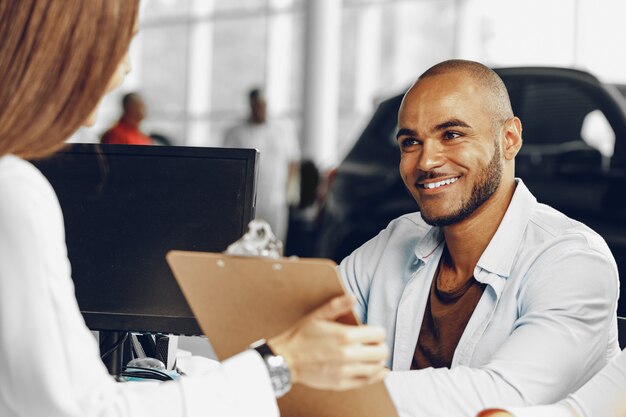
(429, 185)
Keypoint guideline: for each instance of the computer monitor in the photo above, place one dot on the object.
(126, 206)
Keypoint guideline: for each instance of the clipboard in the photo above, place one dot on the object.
(238, 300)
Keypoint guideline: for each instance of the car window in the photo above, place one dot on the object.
(598, 133)
(564, 129)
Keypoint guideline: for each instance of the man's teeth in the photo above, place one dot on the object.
(440, 183)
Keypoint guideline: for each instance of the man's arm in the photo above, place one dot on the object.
(603, 396)
(555, 410)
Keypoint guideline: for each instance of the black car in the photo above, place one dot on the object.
(573, 158)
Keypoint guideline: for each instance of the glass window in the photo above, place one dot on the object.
(238, 5)
(553, 112)
(564, 129)
(164, 70)
(239, 62)
(158, 9)
(297, 63)
(385, 44)
(598, 133)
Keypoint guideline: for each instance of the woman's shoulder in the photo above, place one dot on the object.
(22, 186)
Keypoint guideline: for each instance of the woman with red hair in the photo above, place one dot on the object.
(57, 59)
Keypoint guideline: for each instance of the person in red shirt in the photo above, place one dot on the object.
(126, 130)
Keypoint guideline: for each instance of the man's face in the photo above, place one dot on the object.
(137, 109)
(258, 109)
(451, 158)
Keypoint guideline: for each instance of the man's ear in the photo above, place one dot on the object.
(512, 137)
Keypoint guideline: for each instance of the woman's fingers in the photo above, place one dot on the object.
(377, 353)
(325, 354)
(334, 308)
(362, 370)
(365, 334)
(348, 383)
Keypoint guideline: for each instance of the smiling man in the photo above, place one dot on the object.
(489, 298)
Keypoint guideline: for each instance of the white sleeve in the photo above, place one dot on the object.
(49, 361)
(241, 387)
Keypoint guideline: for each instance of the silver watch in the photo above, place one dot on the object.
(277, 367)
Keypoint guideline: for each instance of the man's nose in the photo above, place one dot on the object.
(431, 156)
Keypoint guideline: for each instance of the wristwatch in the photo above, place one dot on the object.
(276, 366)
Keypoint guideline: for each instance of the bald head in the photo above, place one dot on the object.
(458, 139)
(490, 83)
(134, 107)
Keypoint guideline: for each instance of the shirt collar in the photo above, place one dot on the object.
(499, 255)
(428, 245)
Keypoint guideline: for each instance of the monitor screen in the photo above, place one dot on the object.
(125, 207)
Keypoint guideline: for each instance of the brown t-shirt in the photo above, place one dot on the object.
(445, 318)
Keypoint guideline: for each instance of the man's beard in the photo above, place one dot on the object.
(488, 182)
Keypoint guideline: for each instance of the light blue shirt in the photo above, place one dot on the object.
(602, 396)
(544, 325)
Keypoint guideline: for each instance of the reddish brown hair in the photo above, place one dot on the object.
(56, 60)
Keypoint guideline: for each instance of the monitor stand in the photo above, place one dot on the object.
(115, 350)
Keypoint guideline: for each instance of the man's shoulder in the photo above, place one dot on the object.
(413, 219)
(408, 226)
(236, 131)
(110, 131)
(541, 227)
(397, 242)
(552, 225)
(114, 134)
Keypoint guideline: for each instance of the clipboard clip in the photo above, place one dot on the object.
(258, 241)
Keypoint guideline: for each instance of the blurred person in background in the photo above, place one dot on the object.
(57, 59)
(303, 217)
(127, 130)
(278, 164)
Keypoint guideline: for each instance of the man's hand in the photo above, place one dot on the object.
(327, 355)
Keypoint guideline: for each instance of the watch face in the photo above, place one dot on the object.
(279, 375)
(276, 361)
(277, 368)
(281, 383)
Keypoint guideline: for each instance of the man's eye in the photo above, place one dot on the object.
(451, 135)
(408, 142)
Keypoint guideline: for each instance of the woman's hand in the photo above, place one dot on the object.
(324, 354)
